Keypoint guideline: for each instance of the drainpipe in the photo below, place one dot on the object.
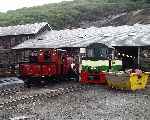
(139, 56)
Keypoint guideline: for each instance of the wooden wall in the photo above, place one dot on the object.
(9, 56)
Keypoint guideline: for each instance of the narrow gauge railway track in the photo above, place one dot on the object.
(47, 93)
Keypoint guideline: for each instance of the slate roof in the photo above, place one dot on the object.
(22, 29)
(136, 35)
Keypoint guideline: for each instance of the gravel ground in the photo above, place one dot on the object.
(94, 103)
(34, 90)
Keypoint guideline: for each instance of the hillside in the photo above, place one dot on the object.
(81, 13)
(141, 16)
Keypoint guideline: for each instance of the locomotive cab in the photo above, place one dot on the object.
(33, 58)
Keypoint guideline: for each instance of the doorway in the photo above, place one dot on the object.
(129, 56)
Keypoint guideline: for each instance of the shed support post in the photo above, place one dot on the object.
(113, 54)
(139, 50)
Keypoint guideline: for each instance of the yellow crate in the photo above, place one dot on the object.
(132, 82)
(148, 81)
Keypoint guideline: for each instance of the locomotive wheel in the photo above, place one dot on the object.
(26, 80)
(27, 83)
(43, 83)
(60, 78)
(73, 77)
(52, 79)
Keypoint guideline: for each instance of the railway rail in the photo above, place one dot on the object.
(45, 94)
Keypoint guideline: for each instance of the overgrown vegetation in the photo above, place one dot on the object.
(70, 14)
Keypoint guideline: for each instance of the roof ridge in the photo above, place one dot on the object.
(24, 24)
(22, 29)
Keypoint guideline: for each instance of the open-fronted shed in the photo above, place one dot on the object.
(123, 38)
(137, 35)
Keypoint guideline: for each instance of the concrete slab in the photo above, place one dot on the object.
(10, 83)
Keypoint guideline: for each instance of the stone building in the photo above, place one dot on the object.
(13, 35)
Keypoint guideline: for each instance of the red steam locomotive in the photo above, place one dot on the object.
(47, 64)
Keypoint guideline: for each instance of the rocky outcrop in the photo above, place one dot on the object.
(139, 16)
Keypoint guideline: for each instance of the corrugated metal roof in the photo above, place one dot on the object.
(22, 29)
(136, 35)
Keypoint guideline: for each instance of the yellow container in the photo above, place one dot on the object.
(126, 82)
(148, 81)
